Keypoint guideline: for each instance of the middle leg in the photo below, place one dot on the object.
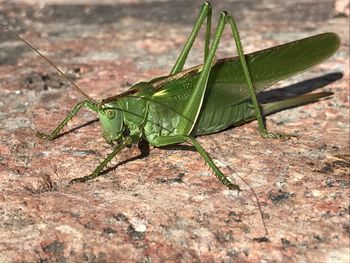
(162, 141)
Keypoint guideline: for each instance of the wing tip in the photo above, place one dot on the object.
(333, 40)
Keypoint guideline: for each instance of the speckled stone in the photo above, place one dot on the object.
(167, 207)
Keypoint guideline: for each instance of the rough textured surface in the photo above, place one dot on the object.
(166, 206)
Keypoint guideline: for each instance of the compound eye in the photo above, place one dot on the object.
(110, 114)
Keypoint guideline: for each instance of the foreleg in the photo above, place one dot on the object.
(56, 132)
(125, 142)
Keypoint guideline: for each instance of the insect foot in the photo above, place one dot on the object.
(78, 180)
(229, 184)
(84, 178)
(273, 135)
(232, 186)
(44, 136)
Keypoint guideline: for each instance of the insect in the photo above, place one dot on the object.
(204, 99)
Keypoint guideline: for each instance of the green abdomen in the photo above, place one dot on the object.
(218, 113)
(217, 119)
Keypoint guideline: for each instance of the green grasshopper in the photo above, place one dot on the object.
(204, 99)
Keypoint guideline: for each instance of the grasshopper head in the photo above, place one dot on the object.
(112, 121)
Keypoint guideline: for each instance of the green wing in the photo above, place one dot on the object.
(266, 66)
(227, 95)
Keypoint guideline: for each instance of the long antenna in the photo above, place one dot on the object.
(256, 198)
(51, 63)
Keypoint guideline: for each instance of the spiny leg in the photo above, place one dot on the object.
(194, 104)
(222, 178)
(193, 107)
(261, 124)
(205, 12)
(166, 140)
(125, 142)
(56, 132)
